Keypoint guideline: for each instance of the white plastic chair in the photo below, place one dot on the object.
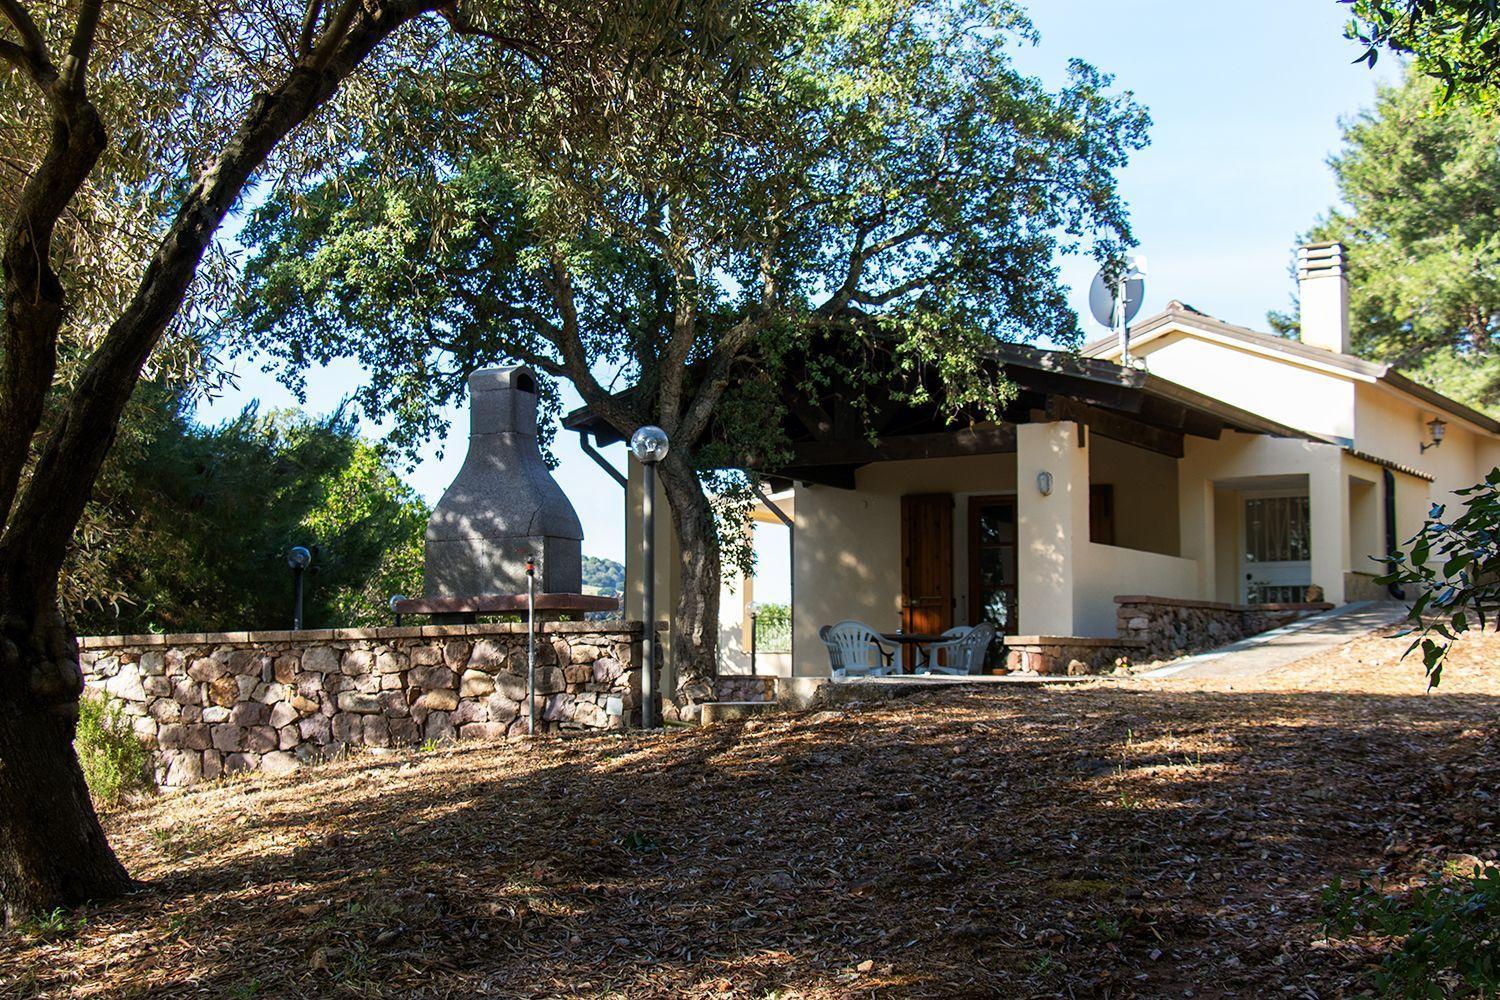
(965, 652)
(857, 650)
(932, 651)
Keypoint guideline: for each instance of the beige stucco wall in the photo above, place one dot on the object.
(1281, 388)
(1103, 572)
(1394, 427)
(848, 552)
(847, 565)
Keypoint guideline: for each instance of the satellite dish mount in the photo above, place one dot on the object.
(1115, 298)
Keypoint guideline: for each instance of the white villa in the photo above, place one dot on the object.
(1226, 466)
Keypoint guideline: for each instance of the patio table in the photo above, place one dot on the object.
(915, 639)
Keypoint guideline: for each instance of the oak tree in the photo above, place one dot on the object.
(891, 174)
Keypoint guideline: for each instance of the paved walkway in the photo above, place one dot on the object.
(1268, 650)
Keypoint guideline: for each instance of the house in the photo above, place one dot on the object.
(1225, 469)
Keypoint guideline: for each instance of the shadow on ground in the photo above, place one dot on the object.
(1102, 842)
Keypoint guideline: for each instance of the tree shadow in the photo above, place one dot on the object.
(1104, 843)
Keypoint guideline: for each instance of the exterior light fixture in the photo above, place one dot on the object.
(1044, 483)
(649, 445)
(1437, 427)
(395, 600)
(298, 557)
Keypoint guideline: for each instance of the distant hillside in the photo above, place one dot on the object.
(603, 576)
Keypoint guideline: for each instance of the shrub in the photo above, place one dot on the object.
(115, 761)
(1454, 566)
(1445, 933)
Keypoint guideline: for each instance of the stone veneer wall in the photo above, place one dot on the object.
(241, 701)
(1052, 654)
(743, 687)
(1169, 627)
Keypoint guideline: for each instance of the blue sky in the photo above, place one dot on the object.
(1245, 101)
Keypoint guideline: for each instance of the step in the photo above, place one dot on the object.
(725, 711)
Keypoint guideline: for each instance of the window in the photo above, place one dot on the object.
(1276, 530)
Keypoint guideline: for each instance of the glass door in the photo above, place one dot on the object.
(992, 565)
(1278, 548)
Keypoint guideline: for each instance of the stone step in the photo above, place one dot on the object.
(725, 711)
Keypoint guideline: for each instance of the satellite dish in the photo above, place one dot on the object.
(1102, 294)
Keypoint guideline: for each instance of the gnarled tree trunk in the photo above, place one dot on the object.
(53, 852)
(695, 626)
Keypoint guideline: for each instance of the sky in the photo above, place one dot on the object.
(1245, 101)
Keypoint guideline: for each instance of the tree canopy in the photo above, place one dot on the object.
(193, 524)
(891, 175)
(1420, 213)
(1456, 42)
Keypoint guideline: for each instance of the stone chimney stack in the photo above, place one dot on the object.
(1323, 288)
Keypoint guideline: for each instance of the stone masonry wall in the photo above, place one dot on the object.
(1171, 627)
(1051, 655)
(211, 704)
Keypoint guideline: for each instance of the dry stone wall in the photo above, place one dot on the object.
(1172, 627)
(212, 704)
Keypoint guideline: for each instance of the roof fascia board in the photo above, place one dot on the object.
(1274, 352)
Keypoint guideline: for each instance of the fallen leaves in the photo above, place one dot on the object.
(1140, 840)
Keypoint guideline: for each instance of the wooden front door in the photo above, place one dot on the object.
(992, 563)
(926, 563)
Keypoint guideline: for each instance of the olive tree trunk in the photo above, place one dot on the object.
(53, 852)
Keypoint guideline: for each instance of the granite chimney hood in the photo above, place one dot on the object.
(504, 505)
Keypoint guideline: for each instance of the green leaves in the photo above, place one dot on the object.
(1453, 568)
(1456, 42)
(1442, 932)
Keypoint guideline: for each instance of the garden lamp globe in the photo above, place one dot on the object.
(649, 444)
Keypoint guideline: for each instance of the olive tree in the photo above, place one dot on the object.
(131, 132)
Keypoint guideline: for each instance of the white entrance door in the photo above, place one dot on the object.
(1278, 548)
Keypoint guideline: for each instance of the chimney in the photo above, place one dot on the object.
(1323, 289)
(503, 505)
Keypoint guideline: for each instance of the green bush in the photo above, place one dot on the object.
(1445, 934)
(115, 761)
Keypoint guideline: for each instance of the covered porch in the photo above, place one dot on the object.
(1097, 481)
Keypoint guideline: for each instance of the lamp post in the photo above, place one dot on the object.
(298, 557)
(649, 445)
(531, 645)
(754, 610)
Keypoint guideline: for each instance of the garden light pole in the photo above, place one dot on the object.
(754, 621)
(298, 558)
(531, 645)
(649, 445)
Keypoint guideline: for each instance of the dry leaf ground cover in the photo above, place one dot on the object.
(1113, 841)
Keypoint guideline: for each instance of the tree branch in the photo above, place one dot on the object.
(75, 66)
(32, 42)
(15, 55)
(309, 26)
(35, 542)
(333, 36)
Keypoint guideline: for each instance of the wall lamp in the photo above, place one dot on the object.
(1437, 427)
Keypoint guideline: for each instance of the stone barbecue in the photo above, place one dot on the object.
(504, 504)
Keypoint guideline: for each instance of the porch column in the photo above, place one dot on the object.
(1328, 515)
(1197, 515)
(1052, 527)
